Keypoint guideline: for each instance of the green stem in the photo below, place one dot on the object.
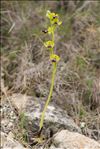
(49, 96)
(53, 36)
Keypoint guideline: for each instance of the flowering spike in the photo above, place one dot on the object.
(54, 21)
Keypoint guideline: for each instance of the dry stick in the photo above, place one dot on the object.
(50, 94)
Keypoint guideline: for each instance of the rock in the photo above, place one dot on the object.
(55, 117)
(19, 101)
(7, 142)
(72, 140)
(54, 114)
(8, 117)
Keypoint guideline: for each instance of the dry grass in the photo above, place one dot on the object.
(25, 65)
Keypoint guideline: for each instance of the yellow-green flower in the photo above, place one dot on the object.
(54, 18)
(49, 44)
(54, 58)
(56, 21)
(51, 15)
(59, 22)
(50, 30)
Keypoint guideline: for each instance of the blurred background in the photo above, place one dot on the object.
(26, 68)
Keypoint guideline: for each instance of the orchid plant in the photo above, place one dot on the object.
(54, 23)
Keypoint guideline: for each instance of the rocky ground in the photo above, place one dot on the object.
(20, 115)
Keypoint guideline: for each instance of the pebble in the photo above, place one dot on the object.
(8, 118)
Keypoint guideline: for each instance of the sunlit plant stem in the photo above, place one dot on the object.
(50, 94)
(54, 22)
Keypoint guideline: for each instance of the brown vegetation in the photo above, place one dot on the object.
(25, 67)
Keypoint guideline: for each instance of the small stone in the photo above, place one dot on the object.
(4, 122)
(14, 117)
(11, 113)
(10, 125)
(82, 124)
(10, 135)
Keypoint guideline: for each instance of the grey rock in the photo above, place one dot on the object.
(55, 120)
(72, 140)
(7, 142)
(55, 117)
